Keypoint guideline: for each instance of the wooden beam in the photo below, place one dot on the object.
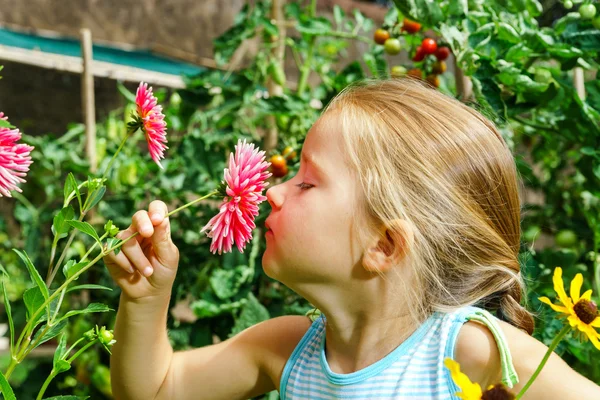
(99, 69)
(88, 102)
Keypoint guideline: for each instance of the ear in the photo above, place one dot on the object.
(389, 247)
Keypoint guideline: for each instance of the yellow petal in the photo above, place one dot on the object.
(595, 341)
(559, 287)
(469, 390)
(576, 287)
(575, 321)
(587, 295)
(555, 307)
(596, 323)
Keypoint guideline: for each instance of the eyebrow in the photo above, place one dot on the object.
(308, 158)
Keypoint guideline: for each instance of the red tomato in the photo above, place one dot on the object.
(429, 46)
(419, 55)
(442, 53)
(411, 26)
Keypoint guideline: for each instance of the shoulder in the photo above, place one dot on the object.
(274, 341)
(477, 353)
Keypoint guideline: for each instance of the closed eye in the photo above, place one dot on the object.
(304, 186)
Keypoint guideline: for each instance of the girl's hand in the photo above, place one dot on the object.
(147, 264)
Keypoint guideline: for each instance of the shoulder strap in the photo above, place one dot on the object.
(509, 374)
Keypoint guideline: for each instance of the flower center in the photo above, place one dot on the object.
(497, 392)
(586, 311)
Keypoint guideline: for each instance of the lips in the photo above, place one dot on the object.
(267, 226)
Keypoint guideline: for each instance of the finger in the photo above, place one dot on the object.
(134, 253)
(141, 223)
(118, 260)
(157, 211)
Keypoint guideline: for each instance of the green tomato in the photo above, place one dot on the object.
(398, 70)
(392, 46)
(596, 22)
(566, 238)
(587, 11)
(568, 4)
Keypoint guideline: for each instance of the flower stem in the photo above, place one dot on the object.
(81, 350)
(192, 203)
(129, 133)
(553, 345)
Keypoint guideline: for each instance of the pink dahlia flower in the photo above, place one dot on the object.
(245, 180)
(152, 122)
(14, 159)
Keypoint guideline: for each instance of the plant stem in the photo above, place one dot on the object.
(191, 203)
(46, 383)
(11, 367)
(553, 345)
(64, 253)
(62, 296)
(92, 248)
(129, 133)
(305, 70)
(81, 350)
(347, 35)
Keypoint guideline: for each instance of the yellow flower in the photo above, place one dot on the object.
(469, 390)
(472, 390)
(581, 311)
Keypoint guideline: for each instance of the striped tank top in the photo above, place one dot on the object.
(414, 370)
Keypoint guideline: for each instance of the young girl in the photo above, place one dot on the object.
(402, 222)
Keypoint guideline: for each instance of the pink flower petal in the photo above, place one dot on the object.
(153, 123)
(15, 160)
(246, 179)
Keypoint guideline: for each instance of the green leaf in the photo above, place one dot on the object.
(33, 300)
(424, 11)
(110, 228)
(5, 124)
(67, 398)
(72, 267)
(60, 227)
(61, 349)
(252, 313)
(112, 242)
(95, 197)
(338, 15)
(226, 283)
(5, 388)
(62, 366)
(85, 228)
(71, 187)
(9, 316)
(54, 331)
(314, 26)
(87, 286)
(33, 273)
(584, 40)
(91, 308)
(125, 92)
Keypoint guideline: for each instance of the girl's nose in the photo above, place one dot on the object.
(275, 196)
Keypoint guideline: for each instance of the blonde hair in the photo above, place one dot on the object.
(428, 159)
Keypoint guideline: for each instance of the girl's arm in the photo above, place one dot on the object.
(244, 366)
(478, 355)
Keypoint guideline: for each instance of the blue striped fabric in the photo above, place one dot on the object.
(414, 370)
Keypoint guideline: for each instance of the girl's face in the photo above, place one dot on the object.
(315, 215)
